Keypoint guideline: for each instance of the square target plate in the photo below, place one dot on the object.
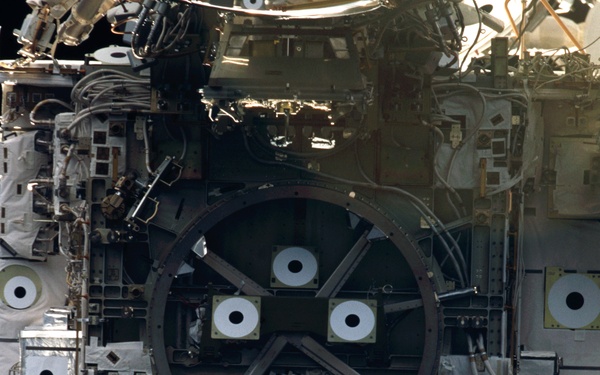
(20, 287)
(571, 300)
(294, 267)
(235, 318)
(352, 320)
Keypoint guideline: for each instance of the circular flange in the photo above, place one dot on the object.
(574, 301)
(215, 213)
(235, 318)
(352, 321)
(295, 267)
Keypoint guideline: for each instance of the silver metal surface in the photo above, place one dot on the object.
(124, 358)
(52, 350)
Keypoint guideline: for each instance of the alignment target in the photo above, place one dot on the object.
(294, 267)
(574, 301)
(20, 286)
(236, 318)
(352, 321)
(253, 4)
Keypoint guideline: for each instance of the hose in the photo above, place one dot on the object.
(472, 363)
(141, 27)
(33, 112)
(161, 10)
(147, 149)
(484, 357)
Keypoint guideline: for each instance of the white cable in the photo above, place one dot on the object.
(67, 160)
(508, 184)
(105, 74)
(107, 107)
(44, 102)
(484, 357)
(130, 87)
(184, 141)
(439, 176)
(147, 148)
(471, 348)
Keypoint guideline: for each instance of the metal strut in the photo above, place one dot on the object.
(337, 279)
(245, 284)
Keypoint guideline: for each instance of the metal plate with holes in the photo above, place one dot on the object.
(573, 178)
(236, 317)
(572, 300)
(294, 267)
(352, 321)
(20, 287)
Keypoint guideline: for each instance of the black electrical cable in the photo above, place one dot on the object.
(461, 19)
(141, 27)
(157, 24)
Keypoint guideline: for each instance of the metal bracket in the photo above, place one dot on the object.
(167, 173)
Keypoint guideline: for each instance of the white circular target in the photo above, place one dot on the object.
(352, 320)
(20, 292)
(236, 317)
(114, 55)
(253, 4)
(574, 301)
(295, 266)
